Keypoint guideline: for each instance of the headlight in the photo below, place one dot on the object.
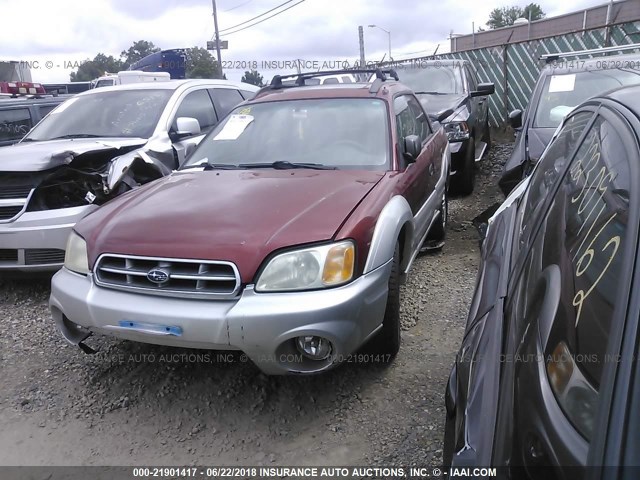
(309, 268)
(457, 131)
(75, 258)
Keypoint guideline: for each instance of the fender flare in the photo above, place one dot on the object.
(395, 216)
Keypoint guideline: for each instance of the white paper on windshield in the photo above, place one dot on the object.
(234, 127)
(562, 83)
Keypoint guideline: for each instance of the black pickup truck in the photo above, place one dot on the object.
(451, 93)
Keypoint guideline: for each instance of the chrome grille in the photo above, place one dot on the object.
(9, 211)
(43, 256)
(184, 278)
(16, 191)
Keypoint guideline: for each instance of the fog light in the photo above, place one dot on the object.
(315, 348)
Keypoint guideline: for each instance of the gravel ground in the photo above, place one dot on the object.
(136, 404)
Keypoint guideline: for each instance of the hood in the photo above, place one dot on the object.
(439, 103)
(236, 215)
(38, 156)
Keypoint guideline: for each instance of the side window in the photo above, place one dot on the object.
(247, 95)
(15, 123)
(424, 127)
(198, 105)
(582, 240)
(225, 99)
(549, 170)
(44, 109)
(406, 122)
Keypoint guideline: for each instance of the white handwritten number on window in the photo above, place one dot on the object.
(596, 183)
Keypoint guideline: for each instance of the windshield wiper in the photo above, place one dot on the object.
(78, 135)
(283, 165)
(431, 93)
(211, 166)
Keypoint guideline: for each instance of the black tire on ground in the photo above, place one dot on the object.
(449, 438)
(462, 182)
(438, 233)
(486, 137)
(387, 340)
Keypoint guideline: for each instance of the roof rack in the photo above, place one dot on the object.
(552, 57)
(276, 81)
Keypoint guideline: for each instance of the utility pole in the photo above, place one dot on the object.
(361, 38)
(215, 24)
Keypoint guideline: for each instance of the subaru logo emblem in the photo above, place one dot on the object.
(157, 275)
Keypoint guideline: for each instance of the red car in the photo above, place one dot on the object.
(286, 234)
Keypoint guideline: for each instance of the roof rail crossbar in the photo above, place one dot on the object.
(381, 73)
(551, 57)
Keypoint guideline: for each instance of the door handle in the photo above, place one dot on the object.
(431, 169)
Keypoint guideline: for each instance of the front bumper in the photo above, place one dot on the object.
(263, 325)
(36, 241)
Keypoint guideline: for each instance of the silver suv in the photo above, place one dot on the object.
(94, 147)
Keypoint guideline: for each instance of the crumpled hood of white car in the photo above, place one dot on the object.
(39, 156)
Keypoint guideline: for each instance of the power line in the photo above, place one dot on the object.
(257, 16)
(237, 6)
(264, 19)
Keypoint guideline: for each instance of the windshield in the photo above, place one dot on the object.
(116, 113)
(441, 79)
(561, 93)
(345, 133)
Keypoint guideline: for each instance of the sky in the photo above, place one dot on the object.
(57, 36)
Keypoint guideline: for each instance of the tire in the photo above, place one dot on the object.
(449, 439)
(486, 137)
(387, 340)
(462, 183)
(438, 233)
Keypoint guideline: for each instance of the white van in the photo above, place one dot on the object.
(130, 76)
(326, 79)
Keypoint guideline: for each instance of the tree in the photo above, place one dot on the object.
(201, 64)
(505, 16)
(253, 77)
(95, 68)
(536, 12)
(137, 51)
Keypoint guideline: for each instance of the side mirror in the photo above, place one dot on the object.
(515, 119)
(186, 127)
(484, 89)
(412, 148)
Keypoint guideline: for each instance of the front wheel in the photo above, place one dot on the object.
(462, 182)
(437, 234)
(387, 340)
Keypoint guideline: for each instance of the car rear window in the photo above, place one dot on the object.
(15, 123)
(345, 133)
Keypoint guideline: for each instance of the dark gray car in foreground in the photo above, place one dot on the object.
(547, 379)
